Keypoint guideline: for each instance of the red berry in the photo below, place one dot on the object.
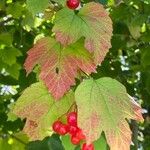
(56, 126)
(75, 140)
(73, 130)
(63, 129)
(73, 4)
(72, 119)
(80, 134)
(87, 147)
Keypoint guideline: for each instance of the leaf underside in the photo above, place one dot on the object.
(104, 105)
(92, 22)
(59, 66)
(40, 110)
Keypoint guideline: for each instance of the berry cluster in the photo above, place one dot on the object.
(73, 130)
(73, 4)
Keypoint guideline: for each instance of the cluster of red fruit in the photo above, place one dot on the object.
(73, 4)
(74, 131)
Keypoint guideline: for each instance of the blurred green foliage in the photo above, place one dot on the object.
(22, 22)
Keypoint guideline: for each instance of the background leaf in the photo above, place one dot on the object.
(104, 2)
(66, 141)
(49, 143)
(9, 54)
(37, 6)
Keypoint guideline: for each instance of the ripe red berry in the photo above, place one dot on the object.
(73, 4)
(75, 140)
(87, 147)
(63, 129)
(72, 119)
(56, 126)
(73, 130)
(80, 134)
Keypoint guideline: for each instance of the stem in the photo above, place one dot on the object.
(67, 111)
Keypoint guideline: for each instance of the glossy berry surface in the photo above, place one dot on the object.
(72, 119)
(73, 4)
(80, 134)
(56, 126)
(73, 130)
(75, 140)
(87, 147)
(63, 129)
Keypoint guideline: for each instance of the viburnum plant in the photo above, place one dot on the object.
(80, 41)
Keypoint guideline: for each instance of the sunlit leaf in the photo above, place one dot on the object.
(40, 110)
(104, 105)
(92, 22)
(59, 65)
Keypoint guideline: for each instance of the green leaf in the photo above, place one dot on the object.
(49, 143)
(66, 141)
(59, 65)
(11, 116)
(104, 2)
(100, 144)
(14, 142)
(41, 110)
(134, 30)
(13, 70)
(7, 80)
(135, 24)
(92, 22)
(15, 9)
(4, 144)
(9, 55)
(62, 2)
(37, 6)
(6, 38)
(28, 19)
(145, 59)
(2, 4)
(145, 37)
(103, 105)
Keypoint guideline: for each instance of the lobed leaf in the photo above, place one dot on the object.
(104, 105)
(59, 65)
(92, 22)
(40, 110)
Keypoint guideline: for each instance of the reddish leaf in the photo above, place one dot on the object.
(59, 66)
(120, 139)
(40, 110)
